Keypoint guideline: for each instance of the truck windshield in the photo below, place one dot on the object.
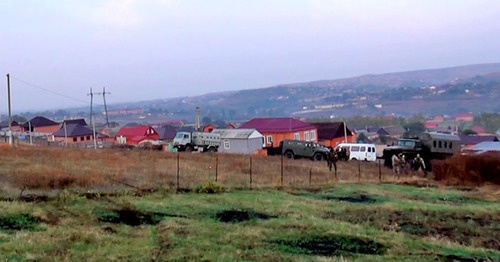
(179, 135)
(406, 143)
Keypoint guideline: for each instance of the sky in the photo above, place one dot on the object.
(55, 50)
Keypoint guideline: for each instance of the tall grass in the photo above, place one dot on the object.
(473, 169)
(56, 168)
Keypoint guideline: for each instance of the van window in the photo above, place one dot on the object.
(363, 149)
(373, 150)
(354, 148)
(369, 149)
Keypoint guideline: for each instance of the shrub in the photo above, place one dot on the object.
(210, 188)
(475, 169)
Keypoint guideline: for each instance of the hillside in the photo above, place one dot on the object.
(471, 88)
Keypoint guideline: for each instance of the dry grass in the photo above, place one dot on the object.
(473, 170)
(58, 168)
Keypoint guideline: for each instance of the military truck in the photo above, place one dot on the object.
(430, 145)
(196, 141)
(293, 149)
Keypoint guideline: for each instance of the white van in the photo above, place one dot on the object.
(360, 151)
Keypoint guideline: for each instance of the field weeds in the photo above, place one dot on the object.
(66, 204)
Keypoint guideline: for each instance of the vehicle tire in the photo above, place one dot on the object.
(318, 157)
(289, 155)
(354, 159)
(189, 149)
(212, 149)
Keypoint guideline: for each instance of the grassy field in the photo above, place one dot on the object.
(365, 222)
(75, 205)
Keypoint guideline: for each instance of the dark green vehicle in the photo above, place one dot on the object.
(429, 145)
(293, 149)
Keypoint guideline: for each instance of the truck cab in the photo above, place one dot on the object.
(181, 140)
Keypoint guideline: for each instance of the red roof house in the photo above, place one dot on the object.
(332, 133)
(276, 130)
(134, 135)
(465, 117)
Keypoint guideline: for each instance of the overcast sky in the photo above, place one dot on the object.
(166, 48)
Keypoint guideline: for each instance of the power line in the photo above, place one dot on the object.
(48, 90)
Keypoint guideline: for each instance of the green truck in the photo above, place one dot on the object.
(294, 149)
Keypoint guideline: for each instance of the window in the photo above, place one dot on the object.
(449, 145)
(363, 149)
(75, 139)
(269, 139)
(313, 135)
(373, 150)
(296, 136)
(445, 144)
(434, 143)
(370, 149)
(355, 149)
(440, 144)
(226, 144)
(82, 138)
(306, 135)
(88, 137)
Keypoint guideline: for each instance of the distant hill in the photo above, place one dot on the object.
(470, 88)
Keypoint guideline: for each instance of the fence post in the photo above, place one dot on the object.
(178, 171)
(216, 167)
(281, 170)
(310, 176)
(379, 171)
(250, 172)
(359, 170)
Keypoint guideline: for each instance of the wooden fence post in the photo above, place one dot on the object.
(250, 172)
(359, 171)
(216, 167)
(281, 170)
(379, 172)
(178, 155)
(310, 176)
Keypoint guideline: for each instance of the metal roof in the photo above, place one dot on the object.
(237, 133)
(279, 124)
(442, 136)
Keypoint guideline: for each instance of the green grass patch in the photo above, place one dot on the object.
(18, 222)
(337, 245)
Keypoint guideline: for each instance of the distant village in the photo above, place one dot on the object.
(256, 136)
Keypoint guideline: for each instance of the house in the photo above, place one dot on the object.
(240, 141)
(14, 126)
(332, 133)
(208, 128)
(470, 140)
(166, 133)
(437, 119)
(392, 131)
(464, 117)
(478, 130)
(79, 121)
(41, 124)
(484, 148)
(73, 133)
(430, 125)
(135, 135)
(276, 130)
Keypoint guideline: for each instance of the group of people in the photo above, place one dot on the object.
(399, 164)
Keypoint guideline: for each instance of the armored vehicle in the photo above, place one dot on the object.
(199, 141)
(430, 145)
(303, 149)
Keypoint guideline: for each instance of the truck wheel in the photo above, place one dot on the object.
(318, 157)
(212, 149)
(289, 155)
(189, 149)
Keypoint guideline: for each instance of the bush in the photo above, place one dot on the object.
(461, 169)
(209, 188)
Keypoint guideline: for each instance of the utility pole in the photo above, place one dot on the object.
(105, 107)
(345, 133)
(197, 119)
(10, 111)
(91, 101)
